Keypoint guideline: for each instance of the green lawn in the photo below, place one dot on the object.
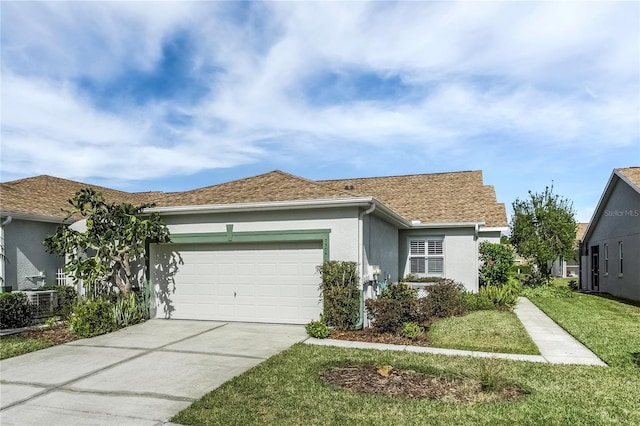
(14, 345)
(488, 331)
(608, 327)
(287, 390)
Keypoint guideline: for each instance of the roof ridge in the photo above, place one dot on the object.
(276, 171)
(399, 176)
(55, 179)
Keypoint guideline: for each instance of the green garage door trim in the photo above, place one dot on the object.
(257, 237)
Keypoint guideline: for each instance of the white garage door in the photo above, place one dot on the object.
(257, 282)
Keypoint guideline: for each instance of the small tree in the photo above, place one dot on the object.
(497, 261)
(543, 228)
(113, 243)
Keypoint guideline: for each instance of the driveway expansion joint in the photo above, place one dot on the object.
(225, 354)
(129, 393)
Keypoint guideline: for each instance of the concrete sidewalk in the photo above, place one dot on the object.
(554, 343)
(140, 375)
(556, 346)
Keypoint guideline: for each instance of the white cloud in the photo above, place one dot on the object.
(526, 71)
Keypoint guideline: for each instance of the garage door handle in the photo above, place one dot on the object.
(234, 294)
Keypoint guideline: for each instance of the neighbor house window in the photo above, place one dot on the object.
(426, 257)
(620, 255)
(606, 259)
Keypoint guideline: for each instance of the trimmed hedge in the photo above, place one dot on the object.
(15, 310)
(92, 318)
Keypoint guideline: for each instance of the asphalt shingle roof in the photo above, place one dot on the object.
(429, 198)
(272, 186)
(48, 196)
(433, 198)
(632, 174)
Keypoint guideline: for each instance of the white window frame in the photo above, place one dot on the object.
(427, 253)
(606, 259)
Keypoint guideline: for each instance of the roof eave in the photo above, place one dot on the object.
(262, 206)
(35, 217)
(446, 225)
(608, 189)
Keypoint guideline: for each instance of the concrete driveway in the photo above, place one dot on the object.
(141, 375)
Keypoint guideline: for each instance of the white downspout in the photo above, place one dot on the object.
(476, 236)
(3, 258)
(361, 216)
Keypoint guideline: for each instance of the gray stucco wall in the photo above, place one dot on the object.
(343, 223)
(619, 222)
(460, 252)
(26, 255)
(380, 241)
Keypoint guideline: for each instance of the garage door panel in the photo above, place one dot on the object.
(272, 282)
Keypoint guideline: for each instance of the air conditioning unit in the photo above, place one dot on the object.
(43, 302)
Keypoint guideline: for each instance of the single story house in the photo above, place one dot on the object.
(565, 268)
(30, 210)
(248, 250)
(610, 249)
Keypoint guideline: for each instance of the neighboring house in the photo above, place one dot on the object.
(248, 250)
(610, 250)
(565, 268)
(30, 210)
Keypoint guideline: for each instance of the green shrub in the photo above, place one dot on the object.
(92, 318)
(496, 263)
(534, 279)
(317, 329)
(444, 299)
(388, 315)
(340, 293)
(476, 302)
(15, 310)
(128, 310)
(547, 291)
(502, 297)
(397, 304)
(410, 330)
(399, 291)
(574, 285)
(636, 358)
(67, 298)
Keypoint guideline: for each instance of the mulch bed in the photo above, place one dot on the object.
(410, 384)
(369, 335)
(58, 334)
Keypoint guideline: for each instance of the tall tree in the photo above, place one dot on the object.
(113, 245)
(543, 229)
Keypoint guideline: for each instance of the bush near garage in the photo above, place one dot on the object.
(340, 293)
(15, 310)
(92, 317)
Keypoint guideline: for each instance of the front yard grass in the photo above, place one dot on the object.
(287, 390)
(488, 331)
(11, 346)
(608, 327)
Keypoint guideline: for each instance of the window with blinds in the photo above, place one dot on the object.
(426, 257)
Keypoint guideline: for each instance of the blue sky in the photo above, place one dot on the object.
(173, 96)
